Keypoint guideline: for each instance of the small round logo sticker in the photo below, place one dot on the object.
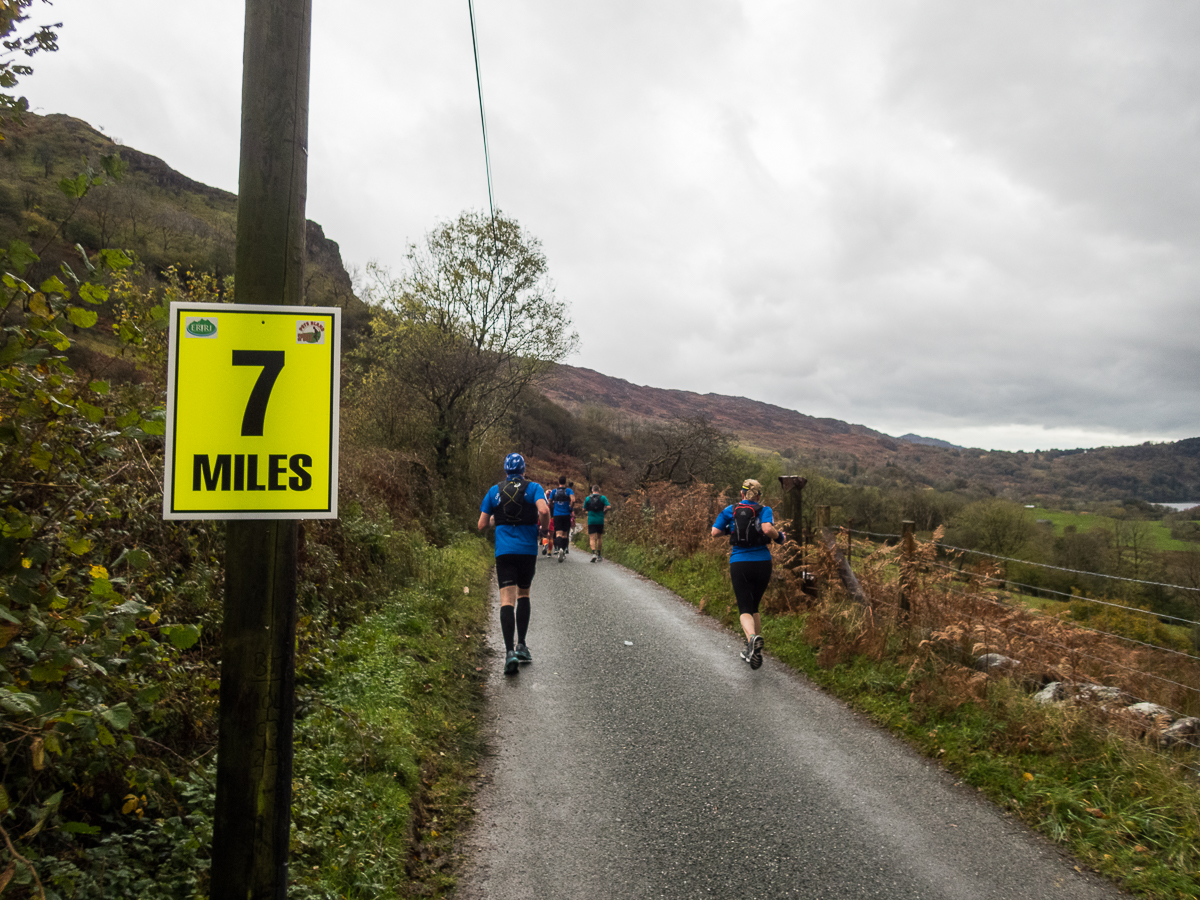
(309, 332)
(200, 327)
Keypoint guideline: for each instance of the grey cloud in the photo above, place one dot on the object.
(935, 215)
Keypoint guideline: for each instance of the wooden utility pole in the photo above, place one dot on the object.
(254, 764)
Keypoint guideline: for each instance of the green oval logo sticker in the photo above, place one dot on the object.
(201, 328)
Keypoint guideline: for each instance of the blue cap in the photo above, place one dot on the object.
(514, 464)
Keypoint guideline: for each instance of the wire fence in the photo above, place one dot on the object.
(1077, 597)
(1120, 660)
(1127, 669)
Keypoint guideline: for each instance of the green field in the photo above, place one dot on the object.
(1160, 534)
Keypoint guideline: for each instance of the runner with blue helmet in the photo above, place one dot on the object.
(517, 508)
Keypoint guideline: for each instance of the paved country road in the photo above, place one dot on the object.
(638, 757)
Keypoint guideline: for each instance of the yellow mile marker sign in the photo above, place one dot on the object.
(252, 412)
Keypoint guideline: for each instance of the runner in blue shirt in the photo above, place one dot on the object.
(596, 505)
(750, 527)
(516, 507)
(562, 507)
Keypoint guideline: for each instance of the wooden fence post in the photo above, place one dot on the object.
(793, 492)
(254, 763)
(908, 548)
(847, 574)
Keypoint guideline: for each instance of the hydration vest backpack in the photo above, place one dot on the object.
(561, 495)
(513, 509)
(593, 504)
(747, 527)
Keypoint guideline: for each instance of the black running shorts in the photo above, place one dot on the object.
(516, 568)
(595, 528)
(562, 523)
(750, 580)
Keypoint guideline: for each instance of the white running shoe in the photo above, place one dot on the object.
(755, 648)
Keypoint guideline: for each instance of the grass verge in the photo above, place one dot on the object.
(1158, 534)
(385, 748)
(1121, 809)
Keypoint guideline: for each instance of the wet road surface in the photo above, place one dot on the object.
(638, 757)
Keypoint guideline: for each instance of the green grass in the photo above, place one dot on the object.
(1122, 810)
(1159, 534)
(386, 748)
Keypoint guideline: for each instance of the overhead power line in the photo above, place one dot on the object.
(487, 159)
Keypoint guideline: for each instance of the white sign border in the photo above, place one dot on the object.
(178, 308)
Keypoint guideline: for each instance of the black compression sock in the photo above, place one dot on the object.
(507, 625)
(522, 618)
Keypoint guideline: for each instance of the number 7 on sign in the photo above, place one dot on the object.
(256, 407)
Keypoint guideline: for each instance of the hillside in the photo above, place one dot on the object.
(856, 454)
(152, 212)
(756, 424)
(165, 218)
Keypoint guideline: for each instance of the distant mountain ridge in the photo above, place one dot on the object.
(1151, 472)
(169, 219)
(756, 424)
(929, 442)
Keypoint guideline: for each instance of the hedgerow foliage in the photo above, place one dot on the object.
(109, 616)
(99, 598)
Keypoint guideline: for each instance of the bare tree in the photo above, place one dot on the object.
(102, 207)
(171, 225)
(44, 154)
(684, 451)
(1131, 543)
(133, 208)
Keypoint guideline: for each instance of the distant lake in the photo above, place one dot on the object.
(1181, 506)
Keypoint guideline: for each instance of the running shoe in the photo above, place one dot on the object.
(562, 554)
(512, 663)
(593, 559)
(745, 654)
(523, 654)
(755, 647)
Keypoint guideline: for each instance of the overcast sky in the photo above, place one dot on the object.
(973, 221)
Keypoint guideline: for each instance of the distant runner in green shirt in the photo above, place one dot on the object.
(596, 505)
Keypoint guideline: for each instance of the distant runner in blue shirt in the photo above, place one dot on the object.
(516, 507)
(750, 527)
(562, 507)
(596, 505)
